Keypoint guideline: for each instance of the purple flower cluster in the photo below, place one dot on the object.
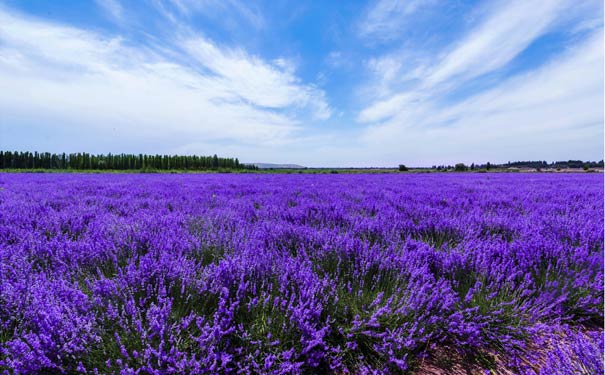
(289, 274)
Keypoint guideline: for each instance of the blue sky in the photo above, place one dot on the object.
(317, 83)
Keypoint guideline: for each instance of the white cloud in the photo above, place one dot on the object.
(338, 60)
(387, 108)
(187, 93)
(509, 29)
(552, 111)
(113, 8)
(391, 72)
(256, 81)
(243, 9)
(385, 19)
(67, 77)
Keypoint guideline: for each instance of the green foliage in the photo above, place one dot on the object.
(140, 162)
(403, 168)
(460, 167)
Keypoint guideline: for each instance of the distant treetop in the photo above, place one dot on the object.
(83, 161)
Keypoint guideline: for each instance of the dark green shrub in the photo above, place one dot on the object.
(460, 167)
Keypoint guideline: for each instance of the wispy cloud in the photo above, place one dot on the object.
(338, 60)
(221, 8)
(254, 80)
(509, 29)
(554, 102)
(66, 77)
(113, 8)
(559, 105)
(385, 19)
(438, 81)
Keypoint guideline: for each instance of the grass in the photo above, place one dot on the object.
(283, 171)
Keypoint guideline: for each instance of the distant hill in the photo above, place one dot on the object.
(277, 166)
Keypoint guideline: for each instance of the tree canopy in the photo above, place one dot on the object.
(83, 161)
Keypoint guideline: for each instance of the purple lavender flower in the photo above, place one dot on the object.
(289, 274)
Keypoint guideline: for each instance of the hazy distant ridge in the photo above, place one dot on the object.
(277, 166)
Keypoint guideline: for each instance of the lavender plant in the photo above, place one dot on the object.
(301, 274)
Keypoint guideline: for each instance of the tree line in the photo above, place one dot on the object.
(84, 161)
(556, 164)
(460, 167)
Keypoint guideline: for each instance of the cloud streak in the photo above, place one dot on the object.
(256, 81)
(68, 77)
(508, 79)
(509, 29)
(560, 103)
(385, 20)
(113, 8)
(219, 8)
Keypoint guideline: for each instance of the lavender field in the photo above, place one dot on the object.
(289, 274)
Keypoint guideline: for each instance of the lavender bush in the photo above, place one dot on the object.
(288, 274)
